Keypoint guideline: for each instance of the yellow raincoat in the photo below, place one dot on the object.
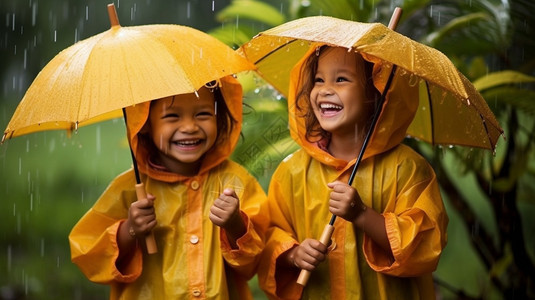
(392, 179)
(194, 259)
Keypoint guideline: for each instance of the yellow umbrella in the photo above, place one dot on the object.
(451, 112)
(94, 79)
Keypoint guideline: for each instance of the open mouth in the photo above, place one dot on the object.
(330, 108)
(188, 143)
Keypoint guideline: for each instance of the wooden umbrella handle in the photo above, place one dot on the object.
(304, 275)
(396, 15)
(324, 239)
(149, 238)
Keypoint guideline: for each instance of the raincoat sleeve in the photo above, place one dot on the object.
(280, 237)
(253, 211)
(415, 219)
(93, 240)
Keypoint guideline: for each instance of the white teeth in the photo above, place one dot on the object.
(190, 142)
(330, 106)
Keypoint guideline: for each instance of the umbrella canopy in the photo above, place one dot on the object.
(451, 111)
(93, 79)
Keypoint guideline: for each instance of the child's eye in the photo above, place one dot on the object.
(341, 79)
(205, 114)
(318, 79)
(170, 115)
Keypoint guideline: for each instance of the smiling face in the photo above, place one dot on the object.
(183, 128)
(338, 96)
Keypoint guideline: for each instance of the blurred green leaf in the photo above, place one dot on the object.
(252, 10)
(502, 78)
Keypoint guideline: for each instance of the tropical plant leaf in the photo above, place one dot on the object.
(502, 78)
(252, 10)
(231, 35)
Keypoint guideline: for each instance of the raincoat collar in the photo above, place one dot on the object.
(137, 116)
(396, 115)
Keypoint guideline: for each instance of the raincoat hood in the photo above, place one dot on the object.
(137, 116)
(398, 111)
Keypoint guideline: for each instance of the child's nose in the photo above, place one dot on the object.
(188, 125)
(326, 90)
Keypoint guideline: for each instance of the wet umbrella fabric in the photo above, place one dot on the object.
(451, 111)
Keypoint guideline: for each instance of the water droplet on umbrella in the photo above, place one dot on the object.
(413, 80)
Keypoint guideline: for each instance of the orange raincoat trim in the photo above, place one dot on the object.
(392, 179)
(194, 258)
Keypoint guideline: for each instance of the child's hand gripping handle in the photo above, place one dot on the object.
(149, 238)
(324, 239)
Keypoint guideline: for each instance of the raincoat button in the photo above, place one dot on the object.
(194, 239)
(194, 184)
(196, 293)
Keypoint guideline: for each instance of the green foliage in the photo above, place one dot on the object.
(252, 10)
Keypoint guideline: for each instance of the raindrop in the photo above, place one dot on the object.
(75, 35)
(25, 58)
(20, 166)
(55, 35)
(431, 11)
(133, 12)
(34, 13)
(468, 102)
(42, 247)
(213, 5)
(257, 90)
(98, 141)
(31, 201)
(188, 10)
(237, 21)
(86, 12)
(13, 26)
(197, 94)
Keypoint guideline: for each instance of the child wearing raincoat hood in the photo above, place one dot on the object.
(201, 207)
(391, 225)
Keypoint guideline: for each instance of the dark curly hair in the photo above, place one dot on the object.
(314, 132)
